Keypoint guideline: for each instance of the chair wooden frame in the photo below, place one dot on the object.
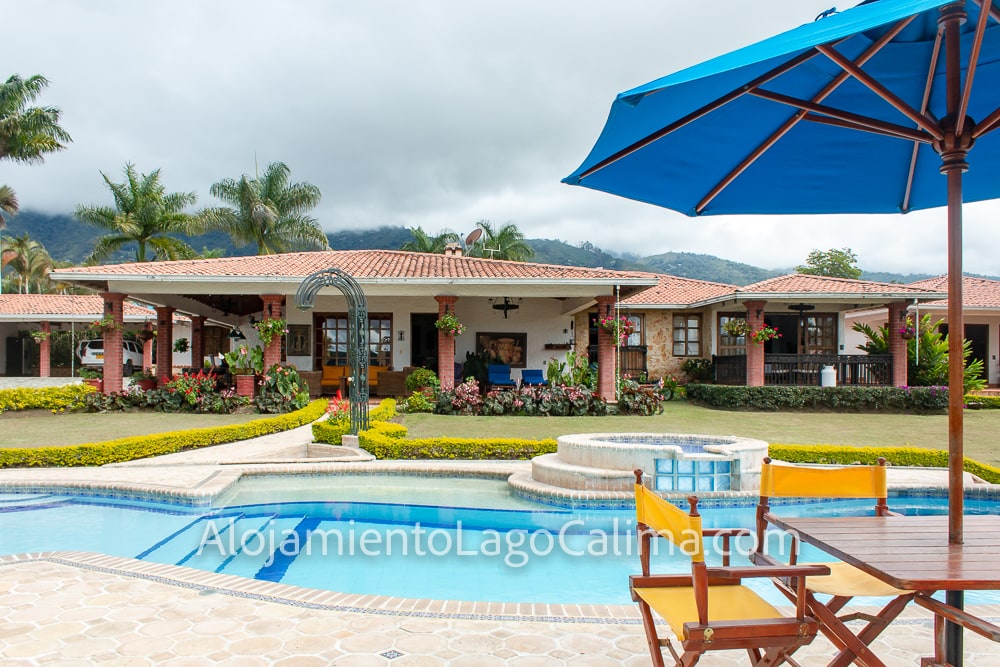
(845, 581)
(684, 600)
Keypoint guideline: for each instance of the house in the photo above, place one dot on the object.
(523, 311)
(685, 318)
(27, 322)
(981, 312)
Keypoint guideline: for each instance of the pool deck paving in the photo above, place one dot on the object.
(79, 608)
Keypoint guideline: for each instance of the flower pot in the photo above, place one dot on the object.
(146, 385)
(246, 385)
(96, 383)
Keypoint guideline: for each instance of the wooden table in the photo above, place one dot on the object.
(912, 553)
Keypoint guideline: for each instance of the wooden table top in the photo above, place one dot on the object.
(909, 552)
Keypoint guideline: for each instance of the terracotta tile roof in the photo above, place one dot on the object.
(64, 307)
(361, 264)
(676, 291)
(976, 292)
(819, 286)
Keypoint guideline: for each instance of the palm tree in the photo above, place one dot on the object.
(27, 133)
(268, 211)
(507, 242)
(9, 205)
(422, 242)
(31, 264)
(145, 214)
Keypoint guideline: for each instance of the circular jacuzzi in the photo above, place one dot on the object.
(675, 462)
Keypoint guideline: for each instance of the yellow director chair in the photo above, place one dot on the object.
(844, 581)
(709, 609)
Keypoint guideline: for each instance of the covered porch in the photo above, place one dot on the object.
(857, 370)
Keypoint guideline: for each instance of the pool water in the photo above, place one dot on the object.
(443, 538)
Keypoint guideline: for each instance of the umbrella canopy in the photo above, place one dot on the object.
(878, 109)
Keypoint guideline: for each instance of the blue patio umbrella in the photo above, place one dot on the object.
(881, 108)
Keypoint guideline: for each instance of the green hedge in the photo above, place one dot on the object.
(43, 398)
(983, 402)
(897, 456)
(142, 446)
(331, 431)
(874, 399)
(388, 441)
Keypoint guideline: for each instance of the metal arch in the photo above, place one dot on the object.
(357, 333)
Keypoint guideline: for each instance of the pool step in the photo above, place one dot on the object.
(552, 470)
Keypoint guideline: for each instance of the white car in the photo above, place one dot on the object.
(91, 353)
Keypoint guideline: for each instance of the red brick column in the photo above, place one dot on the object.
(197, 340)
(898, 346)
(113, 302)
(147, 348)
(446, 346)
(606, 370)
(755, 352)
(164, 344)
(45, 352)
(272, 351)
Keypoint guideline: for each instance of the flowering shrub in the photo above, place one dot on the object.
(281, 390)
(619, 328)
(338, 407)
(270, 327)
(465, 398)
(192, 387)
(423, 400)
(634, 399)
(553, 400)
(764, 334)
(449, 324)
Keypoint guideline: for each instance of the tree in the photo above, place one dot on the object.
(268, 211)
(8, 204)
(144, 213)
(28, 133)
(832, 263)
(507, 242)
(422, 242)
(30, 264)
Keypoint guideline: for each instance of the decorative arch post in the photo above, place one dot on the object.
(755, 352)
(357, 333)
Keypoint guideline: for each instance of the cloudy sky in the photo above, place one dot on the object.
(436, 113)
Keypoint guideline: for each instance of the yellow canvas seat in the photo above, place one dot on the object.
(844, 581)
(709, 609)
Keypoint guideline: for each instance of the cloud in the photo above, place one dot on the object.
(438, 113)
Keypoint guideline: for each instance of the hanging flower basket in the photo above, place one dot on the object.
(181, 345)
(104, 324)
(449, 325)
(908, 331)
(764, 334)
(39, 336)
(146, 335)
(736, 327)
(619, 328)
(270, 327)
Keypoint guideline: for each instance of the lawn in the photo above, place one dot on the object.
(875, 430)
(41, 428)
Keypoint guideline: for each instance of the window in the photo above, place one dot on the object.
(730, 345)
(636, 337)
(820, 334)
(332, 339)
(687, 335)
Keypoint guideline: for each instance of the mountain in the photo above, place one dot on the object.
(69, 240)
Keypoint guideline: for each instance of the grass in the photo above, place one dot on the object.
(41, 428)
(857, 429)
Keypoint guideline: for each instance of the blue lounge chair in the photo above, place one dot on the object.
(499, 375)
(531, 376)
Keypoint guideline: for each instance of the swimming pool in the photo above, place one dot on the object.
(396, 535)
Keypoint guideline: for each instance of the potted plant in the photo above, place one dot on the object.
(92, 377)
(181, 345)
(736, 327)
(764, 334)
(145, 335)
(143, 379)
(270, 327)
(244, 363)
(619, 328)
(105, 323)
(449, 325)
(39, 336)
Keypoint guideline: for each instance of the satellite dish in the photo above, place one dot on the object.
(473, 236)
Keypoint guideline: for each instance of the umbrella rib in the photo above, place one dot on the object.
(906, 133)
(787, 126)
(970, 75)
(924, 104)
(989, 124)
(849, 119)
(920, 119)
(698, 113)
